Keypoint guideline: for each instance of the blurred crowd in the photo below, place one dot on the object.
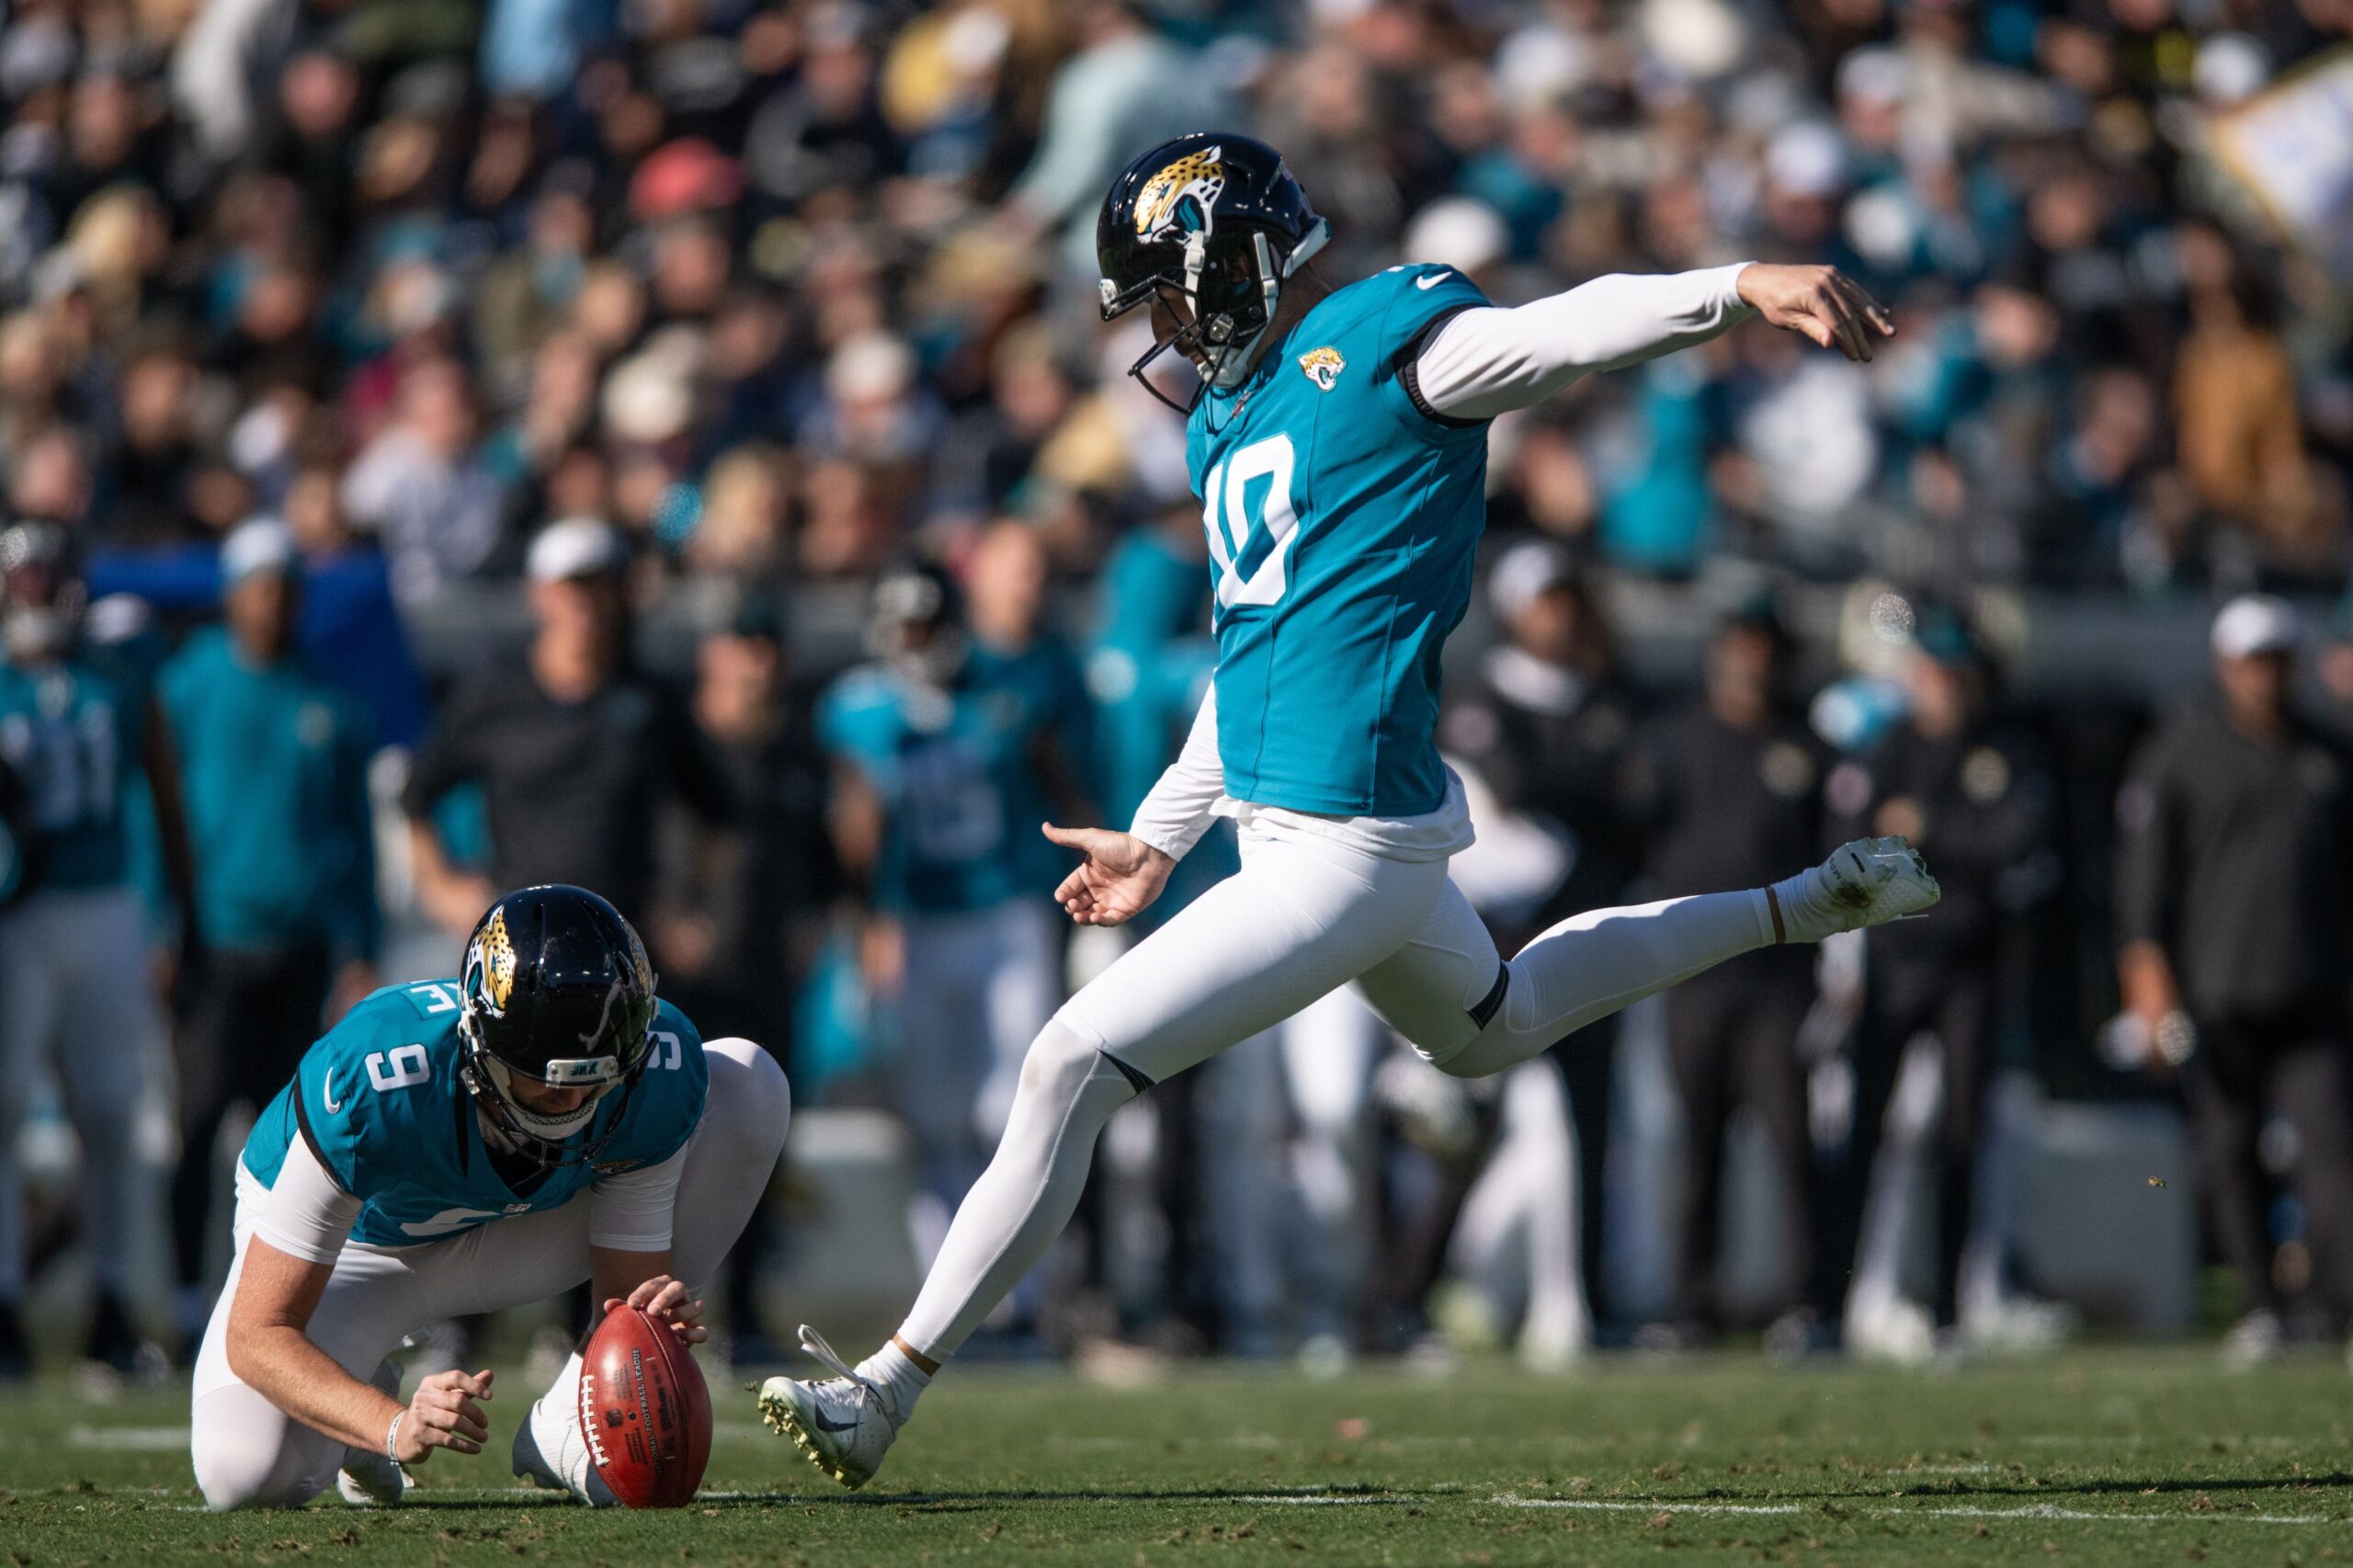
(669, 446)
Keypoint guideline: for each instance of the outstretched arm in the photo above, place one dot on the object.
(1486, 362)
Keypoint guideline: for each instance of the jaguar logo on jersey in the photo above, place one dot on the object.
(1322, 367)
(614, 1167)
(494, 963)
(1160, 208)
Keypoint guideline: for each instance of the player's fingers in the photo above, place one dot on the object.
(1830, 307)
(1068, 837)
(1818, 331)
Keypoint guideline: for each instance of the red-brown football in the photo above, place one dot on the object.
(644, 1411)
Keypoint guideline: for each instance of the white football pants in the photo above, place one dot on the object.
(1304, 916)
(74, 994)
(249, 1453)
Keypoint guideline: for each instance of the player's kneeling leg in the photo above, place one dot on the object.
(250, 1454)
(729, 1161)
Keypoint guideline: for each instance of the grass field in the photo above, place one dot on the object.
(2112, 1455)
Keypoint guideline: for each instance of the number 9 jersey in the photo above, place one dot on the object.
(1343, 524)
(380, 1102)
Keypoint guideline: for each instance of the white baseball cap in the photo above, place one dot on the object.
(1526, 571)
(258, 544)
(577, 547)
(2257, 623)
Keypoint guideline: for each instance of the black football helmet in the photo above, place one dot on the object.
(1217, 219)
(42, 593)
(556, 989)
(916, 626)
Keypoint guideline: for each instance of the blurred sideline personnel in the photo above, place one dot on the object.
(75, 990)
(747, 899)
(2232, 882)
(1547, 722)
(1730, 792)
(574, 750)
(274, 778)
(1339, 442)
(466, 1145)
(1972, 790)
(945, 753)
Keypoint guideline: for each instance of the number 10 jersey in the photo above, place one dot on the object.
(379, 1101)
(1343, 524)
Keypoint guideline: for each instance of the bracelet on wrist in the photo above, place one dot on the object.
(393, 1436)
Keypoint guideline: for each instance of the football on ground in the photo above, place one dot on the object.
(644, 1411)
(2109, 1455)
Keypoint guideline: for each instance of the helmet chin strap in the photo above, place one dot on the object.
(1232, 367)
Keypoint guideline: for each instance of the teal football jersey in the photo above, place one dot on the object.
(953, 769)
(1343, 522)
(379, 1101)
(71, 734)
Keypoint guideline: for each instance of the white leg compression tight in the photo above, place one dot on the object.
(1302, 917)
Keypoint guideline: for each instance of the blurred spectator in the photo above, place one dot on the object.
(1960, 779)
(2232, 905)
(575, 751)
(1730, 790)
(80, 733)
(1547, 724)
(944, 748)
(747, 894)
(421, 487)
(273, 762)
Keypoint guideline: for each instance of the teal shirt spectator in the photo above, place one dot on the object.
(70, 732)
(1142, 668)
(274, 779)
(1044, 679)
(951, 768)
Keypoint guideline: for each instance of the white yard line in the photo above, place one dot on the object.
(1877, 1511)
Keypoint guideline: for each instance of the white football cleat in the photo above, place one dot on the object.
(1868, 883)
(842, 1424)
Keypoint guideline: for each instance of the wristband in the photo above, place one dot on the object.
(393, 1437)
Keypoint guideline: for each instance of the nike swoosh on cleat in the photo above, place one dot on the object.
(818, 1420)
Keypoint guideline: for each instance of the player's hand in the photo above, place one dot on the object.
(1820, 302)
(1117, 881)
(666, 1298)
(444, 1414)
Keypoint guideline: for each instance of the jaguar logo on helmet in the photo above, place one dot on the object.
(1160, 206)
(494, 963)
(1322, 367)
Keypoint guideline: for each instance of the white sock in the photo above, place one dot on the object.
(554, 1420)
(894, 1372)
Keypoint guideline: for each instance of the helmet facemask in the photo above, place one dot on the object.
(537, 1134)
(1229, 295)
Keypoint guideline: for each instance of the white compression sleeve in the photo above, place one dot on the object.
(631, 1212)
(1486, 362)
(1175, 815)
(306, 1215)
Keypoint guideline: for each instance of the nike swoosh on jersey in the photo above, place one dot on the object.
(326, 1093)
(1434, 280)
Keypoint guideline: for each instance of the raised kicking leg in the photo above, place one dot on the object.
(1300, 918)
